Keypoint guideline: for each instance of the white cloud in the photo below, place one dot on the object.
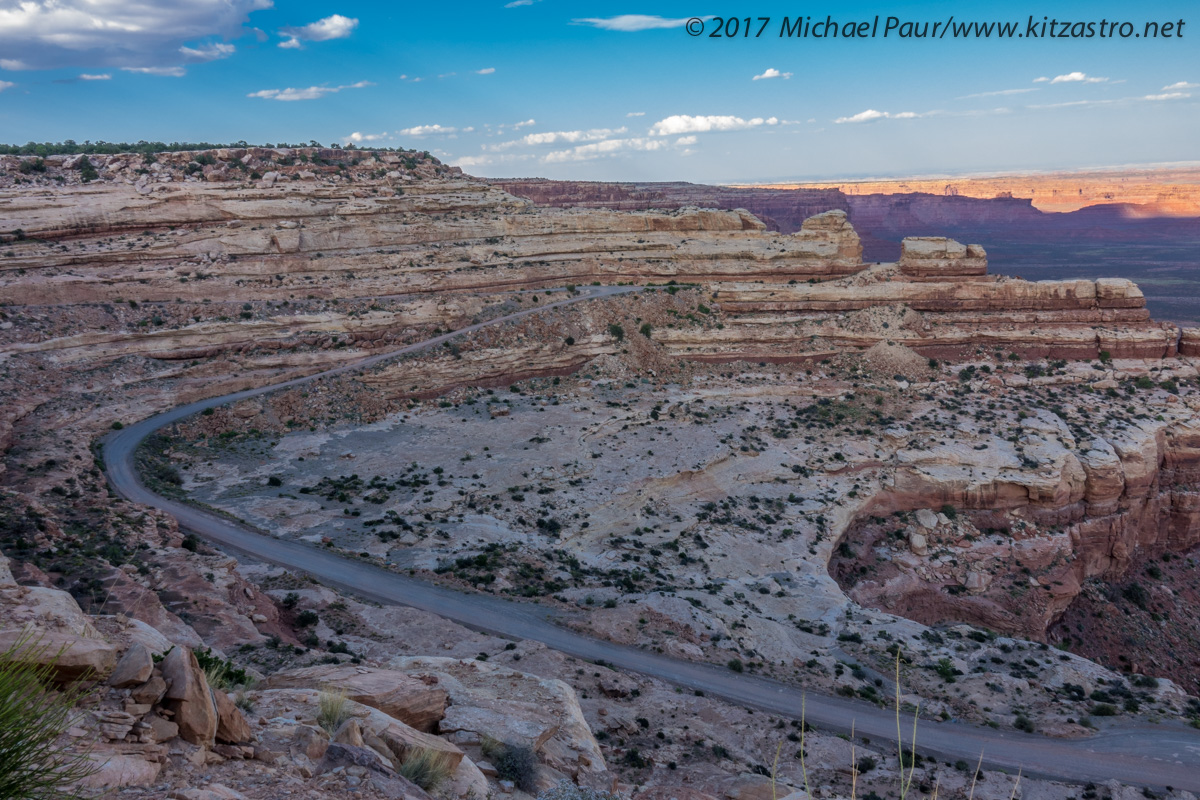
(13, 64)
(162, 72)
(1181, 85)
(587, 152)
(683, 123)
(1167, 96)
(1000, 93)
(50, 34)
(772, 73)
(870, 115)
(632, 22)
(519, 3)
(208, 52)
(102, 77)
(554, 137)
(334, 26)
(311, 93)
(525, 124)
(636, 114)
(358, 137)
(1071, 77)
(685, 141)
(427, 130)
(6, 85)
(485, 71)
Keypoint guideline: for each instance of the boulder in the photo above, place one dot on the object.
(150, 692)
(232, 727)
(54, 631)
(164, 729)
(116, 770)
(414, 702)
(491, 700)
(189, 696)
(135, 667)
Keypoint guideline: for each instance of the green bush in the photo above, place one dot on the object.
(736, 665)
(616, 331)
(87, 172)
(33, 765)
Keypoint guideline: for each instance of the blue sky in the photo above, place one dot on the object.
(604, 90)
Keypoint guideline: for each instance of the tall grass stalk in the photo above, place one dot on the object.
(33, 715)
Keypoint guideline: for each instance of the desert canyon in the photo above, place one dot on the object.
(798, 434)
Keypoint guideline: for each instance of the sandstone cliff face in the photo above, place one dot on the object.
(1090, 509)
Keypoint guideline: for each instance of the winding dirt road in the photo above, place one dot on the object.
(1166, 754)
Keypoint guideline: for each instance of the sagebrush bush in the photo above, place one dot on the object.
(513, 762)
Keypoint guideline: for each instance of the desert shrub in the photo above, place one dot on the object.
(332, 710)
(33, 716)
(428, 769)
(950, 511)
(616, 331)
(646, 329)
(513, 762)
(736, 665)
(220, 673)
(306, 618)
(87, 172)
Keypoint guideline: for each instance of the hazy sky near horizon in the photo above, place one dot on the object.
(604, 90)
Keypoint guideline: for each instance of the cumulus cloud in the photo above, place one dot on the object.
(13, 64)
(6, 85)
(683, 123)
(772, 73)
(630, 23)
(1181, 85)
(587, 152)
(555, 137)
(49, 34)
(334, 26)
(870, 115)
(685, 141)
(428, 130)
(101, 77)
(1071, 77)
(311, 93)
(208, 52)
(485, 71)
(358, 137)
(524, 124)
